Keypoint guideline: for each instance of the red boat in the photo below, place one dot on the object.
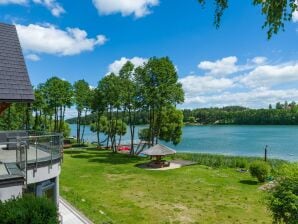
(123, 148)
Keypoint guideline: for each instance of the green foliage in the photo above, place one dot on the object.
(28, 210)
(158, 88)
(14, 118)
(83, 101)
(285, 115)
(66, 130)
(114, 127)
(260, 170)
(216, 161)
(171, 125)
(144, 134)
(81, 94)
(283, 198)
(277, 12)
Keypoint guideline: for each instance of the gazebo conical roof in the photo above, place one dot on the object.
(159, 150)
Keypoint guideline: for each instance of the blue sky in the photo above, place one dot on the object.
(235, 65)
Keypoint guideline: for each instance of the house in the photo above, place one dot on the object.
(29, 161)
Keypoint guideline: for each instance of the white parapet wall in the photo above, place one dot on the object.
(43, 173)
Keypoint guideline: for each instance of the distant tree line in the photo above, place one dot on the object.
(282, 114)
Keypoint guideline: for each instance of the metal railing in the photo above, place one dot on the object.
(33, 148)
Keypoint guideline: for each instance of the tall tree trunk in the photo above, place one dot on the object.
(84, 125)
(97, 128)
(63, 116)
(79, 126)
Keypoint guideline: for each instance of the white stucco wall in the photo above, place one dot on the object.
(43, 173)
(10, 192)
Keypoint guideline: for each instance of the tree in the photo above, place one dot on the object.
(129, 98)
(110, 87)
(82, 101)
(171, 125)
(158, 87)
(283, 198)
(277, 12)
(58, 94)
(110, 128)
(98, 108)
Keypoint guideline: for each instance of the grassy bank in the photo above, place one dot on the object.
(110, 188)
(217, 161)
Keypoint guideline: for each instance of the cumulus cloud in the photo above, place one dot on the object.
(259, 60)
(51, 40)
(255, 83)
(118, 64)
(255, 98)
(222, 67)
(19, 2)
(270, 75)
(139, 8)
(194, 85)
(55, 8)
(295, 16)
(33, 57)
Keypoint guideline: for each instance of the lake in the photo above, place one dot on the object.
(240, 140)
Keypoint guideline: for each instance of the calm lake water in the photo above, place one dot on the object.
(231, 140)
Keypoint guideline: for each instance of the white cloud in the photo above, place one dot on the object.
(33, 57)
(51, 40)
(257, 83)
(295, 16)
(194, 85)
(55, 8)
(259, 60)
(118, 64)
(270, 75)
(139, 8)
(19, 2)
(222, 67)
(255, 98)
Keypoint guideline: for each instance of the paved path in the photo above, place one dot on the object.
(70, 215)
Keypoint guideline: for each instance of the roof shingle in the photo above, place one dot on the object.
(15, 85)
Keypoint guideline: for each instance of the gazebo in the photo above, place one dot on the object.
(158, 151)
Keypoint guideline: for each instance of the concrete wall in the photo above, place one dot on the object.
(10, 192)
(43, 173)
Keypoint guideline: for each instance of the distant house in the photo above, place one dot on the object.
(29, 161)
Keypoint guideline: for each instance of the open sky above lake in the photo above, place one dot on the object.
(235, 65)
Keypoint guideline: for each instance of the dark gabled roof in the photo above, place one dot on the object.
(159, 150)
(15, 85)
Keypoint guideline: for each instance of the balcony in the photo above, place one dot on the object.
(27, 158)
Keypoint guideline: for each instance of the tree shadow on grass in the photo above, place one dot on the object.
(249, 182)
(99, 156)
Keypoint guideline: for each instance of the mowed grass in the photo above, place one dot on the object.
(110, 188)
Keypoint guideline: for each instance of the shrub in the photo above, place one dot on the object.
(28, 210)
(260, 170)
(283, 198)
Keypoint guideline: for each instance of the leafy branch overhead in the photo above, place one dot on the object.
(277, 13)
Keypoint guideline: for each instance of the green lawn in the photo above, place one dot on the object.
(110, 188)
